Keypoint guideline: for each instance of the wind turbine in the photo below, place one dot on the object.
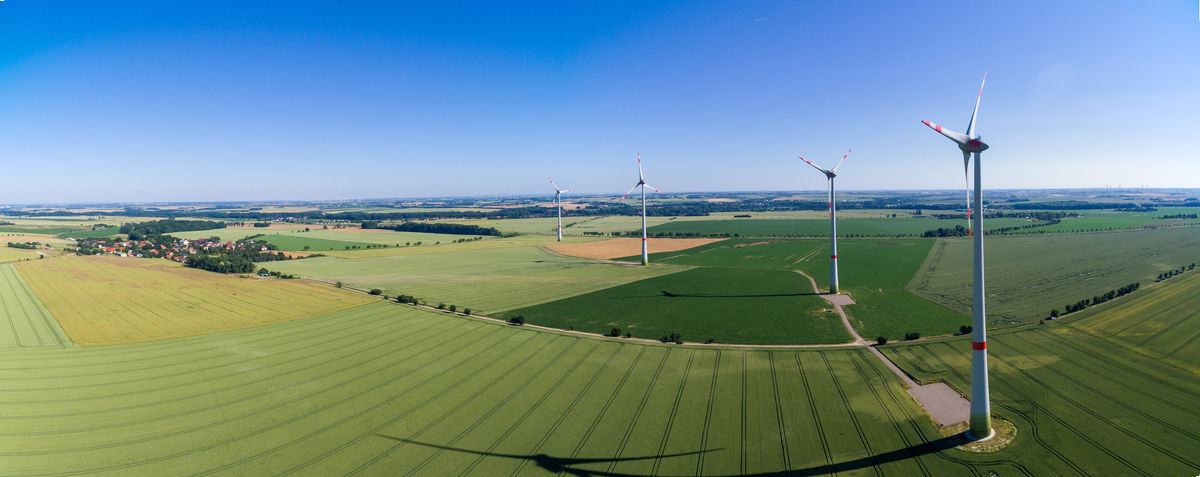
(642, 183)
(557, 204)
(829, 175)
(981, 417)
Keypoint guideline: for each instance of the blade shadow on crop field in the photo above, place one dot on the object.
(702, 295)
(548, 462)
(563, 465)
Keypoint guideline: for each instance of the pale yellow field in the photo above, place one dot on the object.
(101, 300)
(624, 247)
(486, 244)
(8, 254)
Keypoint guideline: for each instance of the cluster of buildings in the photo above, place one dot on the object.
(163, 247)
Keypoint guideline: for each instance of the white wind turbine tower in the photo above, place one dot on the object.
(981, 417)
(829, 175)
(642, 183)
(558, 205)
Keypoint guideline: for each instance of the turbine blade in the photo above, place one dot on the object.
(553, 184)
(839, 164)
(814, 165)
(635, 186)
(960, 138)
(641, 176)
(652, 187)
(971, 126)
(967, 185)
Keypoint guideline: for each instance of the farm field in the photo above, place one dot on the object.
(728, 305)
(390, 389)
(297, 242)
(104, 300)
(847, 226)
(620, 247)
(884, 307)
(1082, 404)
(1029, 276)
(486, 244)
(1173, 335)
(484, 279)
(534, 226)
(24, 322)
(9, 254)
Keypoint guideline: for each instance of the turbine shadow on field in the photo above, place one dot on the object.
(548, 462)
(562, 465)
(764, 295)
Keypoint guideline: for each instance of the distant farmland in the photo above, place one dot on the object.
(1029, 276)
(483, 279)
(109, 300)
(820, 227)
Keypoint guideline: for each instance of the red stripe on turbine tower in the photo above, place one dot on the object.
(979, 345)
(833, 256)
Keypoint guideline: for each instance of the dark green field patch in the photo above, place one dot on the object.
(292, 243)
(847, 227)
(729, 305)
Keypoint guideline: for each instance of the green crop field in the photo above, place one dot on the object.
(91, 233)
(24, 322)
(387, 389)
(1162, 321)
(874, 272)
(537, 226)
(297, 242)
(1029, 276)
(483, 279)
(728, 305)
(819, 227)
(1083, 402)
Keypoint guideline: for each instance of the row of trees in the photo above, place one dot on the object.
(1171, 273)
(433, 228)
(157, 227)
(1098, 299)
(24, 245)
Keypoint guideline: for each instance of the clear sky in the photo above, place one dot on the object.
(223, 100)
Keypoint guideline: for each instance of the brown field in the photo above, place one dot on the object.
(102, 300)
(624, 247)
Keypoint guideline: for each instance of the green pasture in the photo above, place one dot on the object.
(728, 305)
(1160, 321)
(847, 226)
(24, 321)
(297, 242)
(1029, 276)
(91, 233)
(484, 279)
(1082, 404)
(873, 272)
(387, 389)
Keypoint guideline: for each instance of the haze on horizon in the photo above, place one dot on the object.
(223, 101)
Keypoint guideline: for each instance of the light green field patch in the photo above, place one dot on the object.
(487, 280)
(1029, 276)
(24, 322)
(387, 389)
(9, 254)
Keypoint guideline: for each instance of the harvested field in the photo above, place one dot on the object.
(624, 247)
(102, 300)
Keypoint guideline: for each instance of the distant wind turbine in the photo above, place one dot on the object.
(829, 175)
(642, 183)
(558, 204)
(981, 417)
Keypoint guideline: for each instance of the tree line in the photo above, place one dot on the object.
(157, 227)
(1098, 299)
(433, 228)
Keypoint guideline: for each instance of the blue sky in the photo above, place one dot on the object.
(175, 101)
